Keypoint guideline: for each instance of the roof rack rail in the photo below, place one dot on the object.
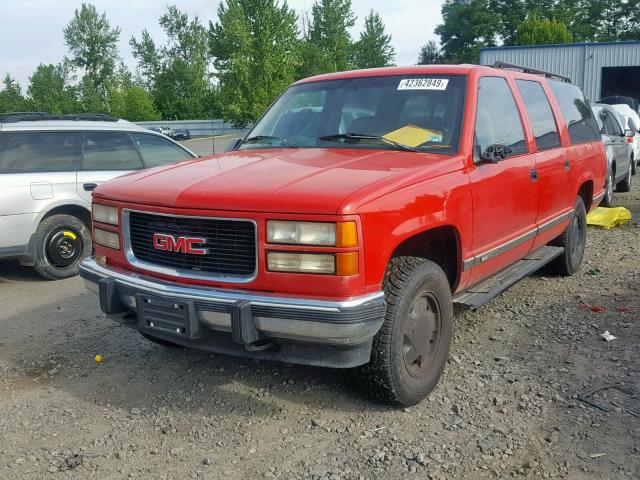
(534, 71)
(96, 117)
(13, 117)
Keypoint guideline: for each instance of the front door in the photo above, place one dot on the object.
(503, 193)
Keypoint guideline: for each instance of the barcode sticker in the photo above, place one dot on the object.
(423, 84)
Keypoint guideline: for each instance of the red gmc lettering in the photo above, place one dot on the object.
(169, 243)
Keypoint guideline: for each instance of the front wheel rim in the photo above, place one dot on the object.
(421, 335)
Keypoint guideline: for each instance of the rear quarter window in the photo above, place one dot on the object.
(23, 152)
(576, 111)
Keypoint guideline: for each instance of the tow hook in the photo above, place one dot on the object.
(259, 345)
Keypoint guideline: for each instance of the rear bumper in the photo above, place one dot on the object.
(306, 331)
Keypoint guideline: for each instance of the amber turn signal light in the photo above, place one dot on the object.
(346, 234)
(347, 264)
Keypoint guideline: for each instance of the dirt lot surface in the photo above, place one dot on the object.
(506, 407)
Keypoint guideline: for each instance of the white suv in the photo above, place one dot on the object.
(49, 166)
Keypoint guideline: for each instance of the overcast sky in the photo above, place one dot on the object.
(31, 30)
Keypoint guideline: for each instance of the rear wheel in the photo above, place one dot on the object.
(607, 200)
(574, 240)
(61, 242)
(410, 351)
(625, 185)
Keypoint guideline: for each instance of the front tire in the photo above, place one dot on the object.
(574, 240)
(410, 351)
(61, 242)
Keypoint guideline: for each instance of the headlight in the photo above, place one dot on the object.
(105, 214)
(106, 239)
(301, 262)
(341, 234)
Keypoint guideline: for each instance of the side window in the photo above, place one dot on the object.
(576, 111)
(39, 152)
(156, 150)
(538, 107)
(109, 151)
(497, 118)
(612, 126)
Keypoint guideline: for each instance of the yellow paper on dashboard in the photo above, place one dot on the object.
(412, 135)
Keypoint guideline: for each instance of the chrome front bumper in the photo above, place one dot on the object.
(223, 320)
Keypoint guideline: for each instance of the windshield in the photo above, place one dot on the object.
(423, 112)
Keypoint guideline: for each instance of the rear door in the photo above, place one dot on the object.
(105, 155)
(552, 163)
(504, 195)
(619, 143)
(582, 138)
(37, 170)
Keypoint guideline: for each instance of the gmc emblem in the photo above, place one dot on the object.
(169, 243)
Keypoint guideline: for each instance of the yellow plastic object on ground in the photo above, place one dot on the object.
(608, 217)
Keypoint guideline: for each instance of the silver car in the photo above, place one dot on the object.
(49, 165)
(619, 151)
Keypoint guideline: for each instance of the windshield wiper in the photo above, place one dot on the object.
(258, 138)
(360, 136)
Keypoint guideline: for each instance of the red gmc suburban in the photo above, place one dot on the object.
(343, 228)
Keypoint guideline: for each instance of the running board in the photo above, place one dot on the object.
(488, 289)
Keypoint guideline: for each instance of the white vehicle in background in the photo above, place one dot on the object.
(49, 165)
(632, 120)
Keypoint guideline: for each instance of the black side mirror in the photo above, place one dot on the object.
(495, 153)
(233, 144)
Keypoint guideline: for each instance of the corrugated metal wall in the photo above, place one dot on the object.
(198, 127)
(582, 63)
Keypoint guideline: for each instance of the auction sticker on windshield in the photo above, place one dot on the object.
(423, 84)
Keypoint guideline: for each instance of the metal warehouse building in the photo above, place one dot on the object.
(600, 69)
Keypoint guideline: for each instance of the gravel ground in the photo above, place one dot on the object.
(506, 407)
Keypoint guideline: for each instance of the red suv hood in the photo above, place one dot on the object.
(308, 180)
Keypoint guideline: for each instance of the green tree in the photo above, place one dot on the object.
(373, 49)
(536, 31)
(329, 29)
(93, 48)
(313, 60)
(467, 26)
(429, 54)
(132, 103)
(49, 90)
(11, 99)
(177, 73)
(255, 48)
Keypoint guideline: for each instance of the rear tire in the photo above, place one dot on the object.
(61, 242)
(410, 351)
(573, 239)
(607, 200)
(625, 185)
